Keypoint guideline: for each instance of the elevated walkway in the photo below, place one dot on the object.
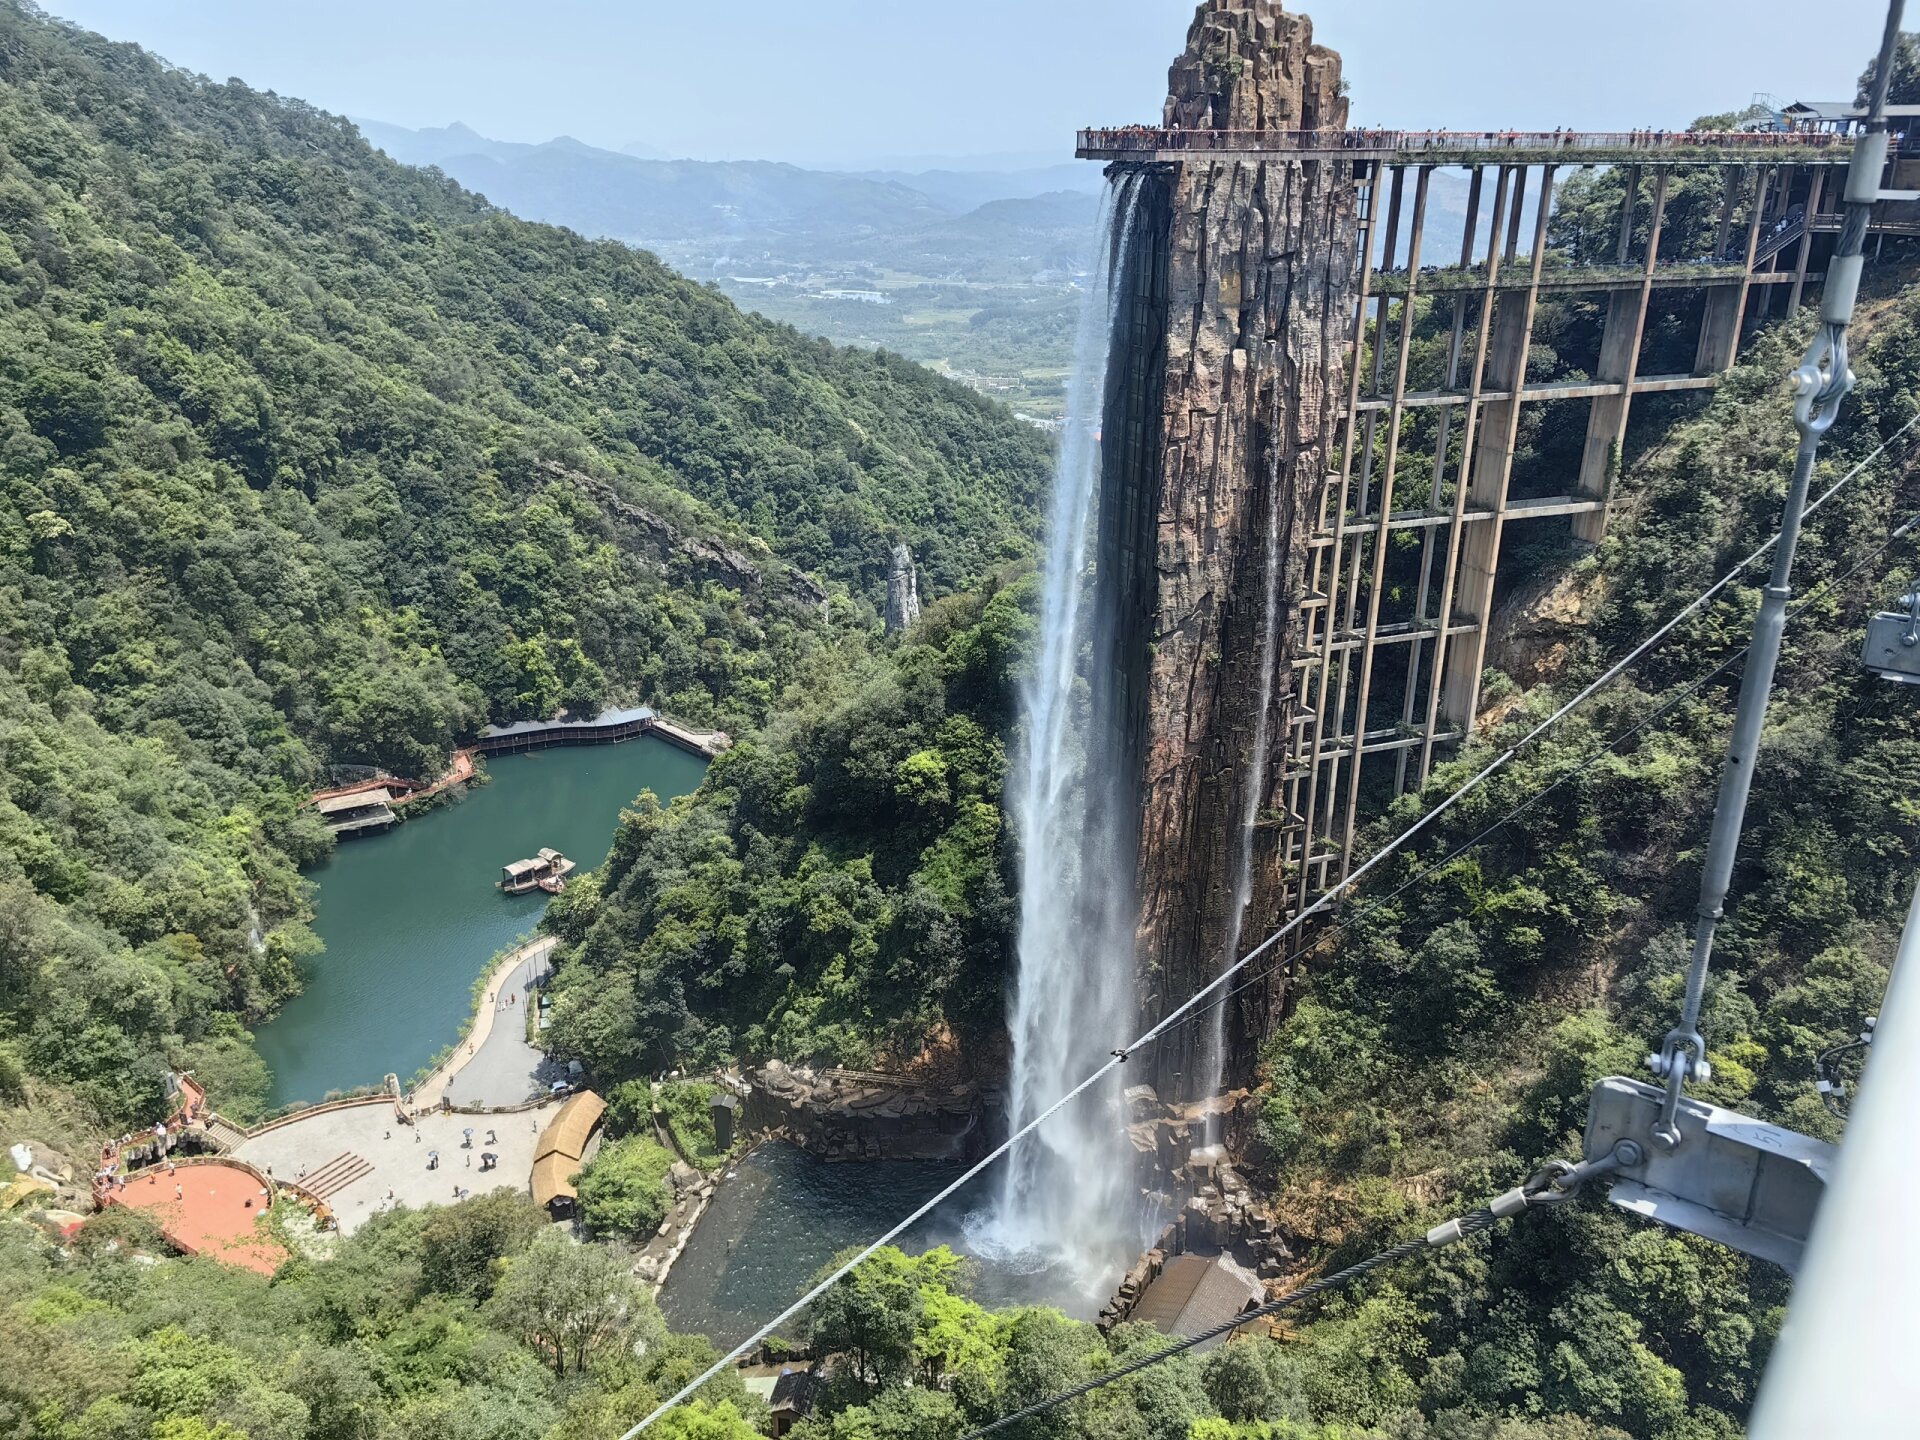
(1146, 144)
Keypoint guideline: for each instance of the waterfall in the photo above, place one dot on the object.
(1066, 1198)
(1213, 1046)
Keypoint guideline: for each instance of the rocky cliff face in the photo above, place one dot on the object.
(1258, 266)
(843, 1115)
(903, 590)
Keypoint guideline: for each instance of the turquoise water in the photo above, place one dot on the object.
(411, 917)
(781, 1214)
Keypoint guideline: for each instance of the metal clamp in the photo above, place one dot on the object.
(1735, 1179)
(1822, 380)
(1891, 649)
(1554, 1183)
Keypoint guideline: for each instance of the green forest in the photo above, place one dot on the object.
(310, 460)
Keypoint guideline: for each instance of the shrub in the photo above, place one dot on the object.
(624, 1189)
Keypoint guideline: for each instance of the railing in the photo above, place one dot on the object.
(1150, 139)
(1783, 234)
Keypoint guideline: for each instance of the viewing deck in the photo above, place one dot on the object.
(1144, 144)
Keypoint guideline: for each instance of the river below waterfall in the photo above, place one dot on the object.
(410, 917)
(781, 1214)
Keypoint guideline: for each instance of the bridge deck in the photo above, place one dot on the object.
(1141, 144)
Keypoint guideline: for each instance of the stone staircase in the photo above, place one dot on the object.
(335, 1175)
(225, 1132)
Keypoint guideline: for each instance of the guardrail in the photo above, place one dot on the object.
(1150, 139)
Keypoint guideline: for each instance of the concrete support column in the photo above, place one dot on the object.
(1816, 187)
(1623, 244)
(1429, 538)
(1608, 416)
(1762, 205)
(1729, 197)
(1380, 547)
(1719, 327)
(1311, 877)
(1457, 531)
(1492, 471)
(1619, 361)
(1725, 308)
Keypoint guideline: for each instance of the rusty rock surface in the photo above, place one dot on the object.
(1258, 296)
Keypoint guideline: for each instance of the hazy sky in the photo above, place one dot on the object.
(854, 80)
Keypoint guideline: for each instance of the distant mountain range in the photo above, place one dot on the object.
(635, 195)
(972, 270)
(968, 265)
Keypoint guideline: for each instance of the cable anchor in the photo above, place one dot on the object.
(1821, 380)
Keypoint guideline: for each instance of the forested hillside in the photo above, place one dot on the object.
(307, 457)
(840, 887)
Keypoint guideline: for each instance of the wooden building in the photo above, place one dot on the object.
(357, 812)
(562, 1151)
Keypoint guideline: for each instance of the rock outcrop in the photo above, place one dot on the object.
(847, 1115)
(710, 558)
(903, 590)
(1256, 297)
(1538, 625)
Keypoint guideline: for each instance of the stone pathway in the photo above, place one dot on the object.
(505, 1068)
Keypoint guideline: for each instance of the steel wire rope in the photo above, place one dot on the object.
(1473, 1223)
(1192, 1003)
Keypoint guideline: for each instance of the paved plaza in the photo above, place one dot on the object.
(206, 1208)
(364, 1152)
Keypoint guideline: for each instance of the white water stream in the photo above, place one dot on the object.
(1067, 1201)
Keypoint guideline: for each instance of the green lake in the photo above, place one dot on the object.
(411, 917)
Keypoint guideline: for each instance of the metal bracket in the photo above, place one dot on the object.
(1739, 1181)
(1892, 648)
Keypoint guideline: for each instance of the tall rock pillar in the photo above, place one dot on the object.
(1259, 260)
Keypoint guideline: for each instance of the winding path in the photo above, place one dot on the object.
(495, 1065)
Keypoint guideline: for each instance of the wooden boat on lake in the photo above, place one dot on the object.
(546, 871)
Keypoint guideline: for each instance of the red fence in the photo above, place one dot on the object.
(1146, 138)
